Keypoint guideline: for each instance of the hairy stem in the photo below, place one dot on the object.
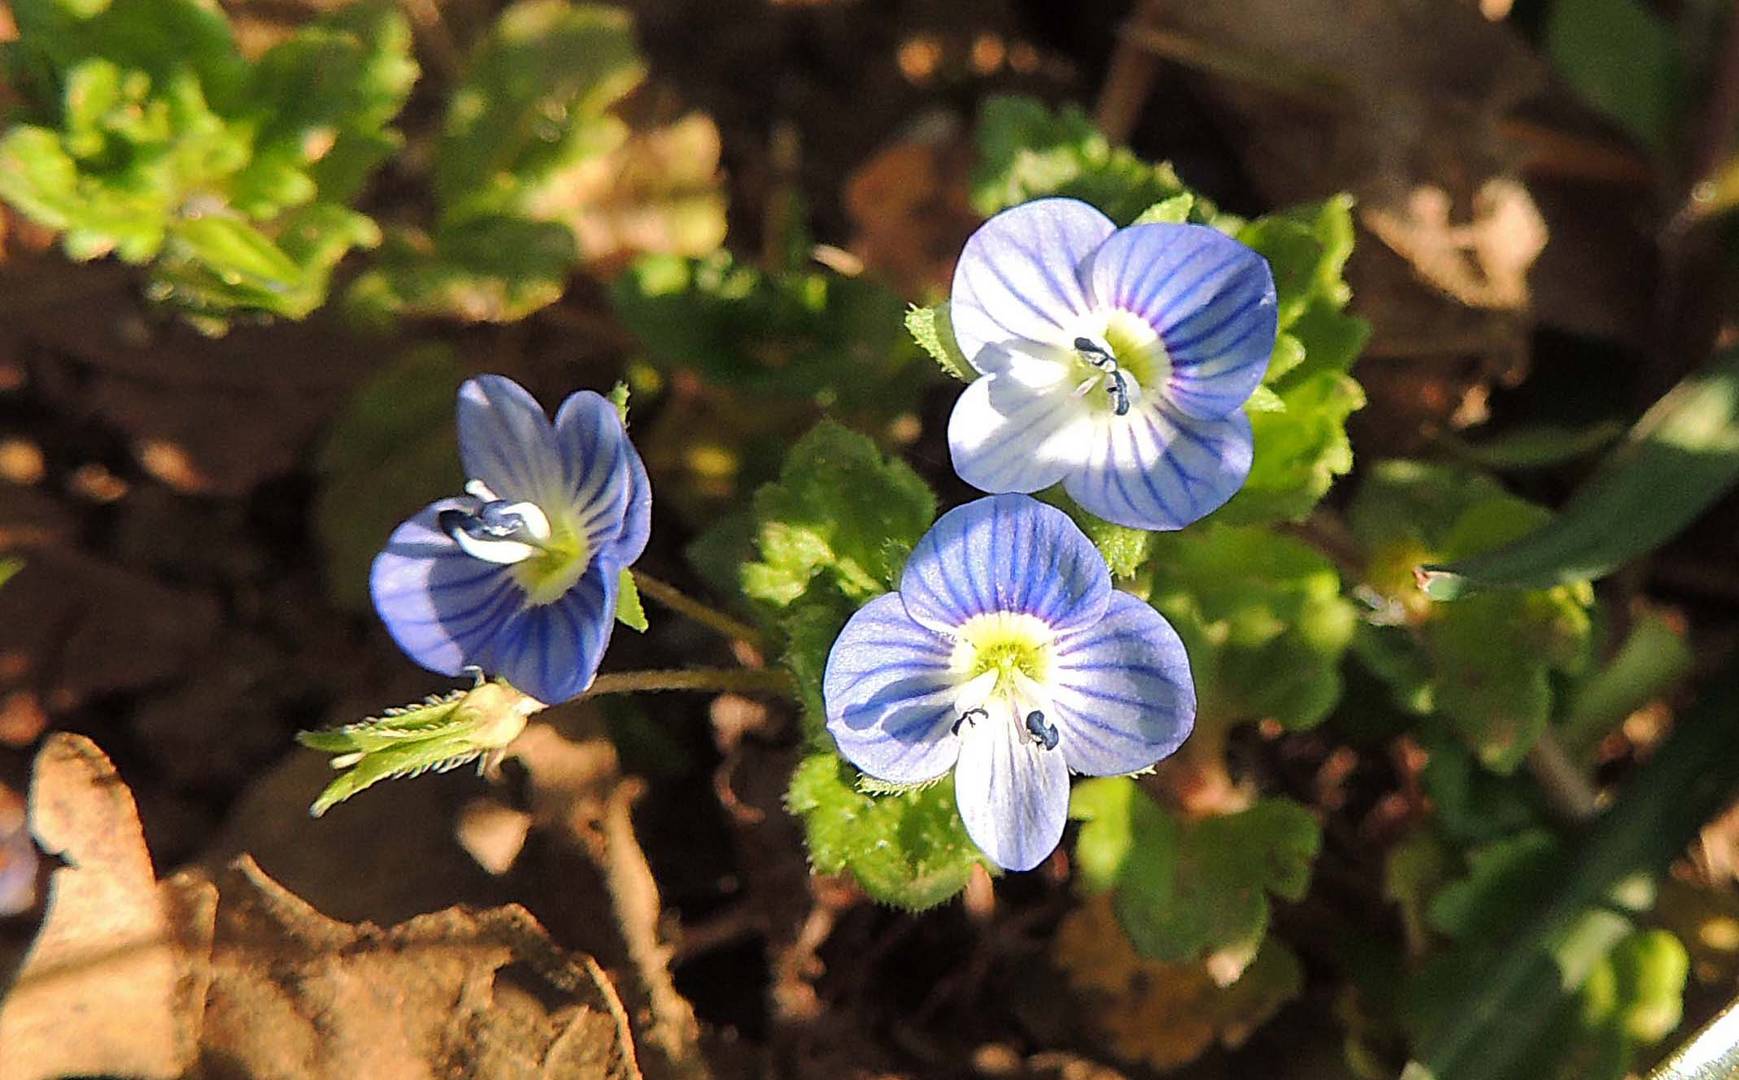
(710, 617)
(722, 680)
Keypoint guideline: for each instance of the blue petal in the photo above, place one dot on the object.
(1017, 278)
(1158, 469)
(1013, 793)
(890, 696)
(552, 651)
(505, 441)
(1011, 433)
(1005, 553)
(439, 604)
(604, 480)
(1121, 691)
(1210, 298)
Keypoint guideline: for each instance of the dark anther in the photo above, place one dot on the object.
(1044, 734)
(970, 716)
(490, 521)
(1096, 354)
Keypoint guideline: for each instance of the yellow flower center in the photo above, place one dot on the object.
(1132, 343)
(1006, 643)
(548, 574)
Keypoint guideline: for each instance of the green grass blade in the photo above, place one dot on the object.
(1681, 456)
(1500, 1013)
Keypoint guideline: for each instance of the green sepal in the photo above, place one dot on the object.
(435, 735)
(932, 329)
(1124, 548)
(629, 611)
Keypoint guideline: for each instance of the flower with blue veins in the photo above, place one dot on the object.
(1115, 361)
(518, 577)
(1007, 657)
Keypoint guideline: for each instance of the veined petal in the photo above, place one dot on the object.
(602, 475)
(1159, 469)
(1211, 300)
(1005, 553)
(890, 695)
(552, 651)
(1017, 277)
(1012, 792)
(1121, 691)
(1019, 431)
(439, 604)
(505, 440)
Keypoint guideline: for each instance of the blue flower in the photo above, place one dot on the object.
(1007, 657)
(1116, 361)
(519, 576)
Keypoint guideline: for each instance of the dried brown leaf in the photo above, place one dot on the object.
(115, 979)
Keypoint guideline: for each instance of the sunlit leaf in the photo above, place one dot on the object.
(1681, 456)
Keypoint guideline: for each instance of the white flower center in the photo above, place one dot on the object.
(547, 557)
(1120, 354)
(1004, 661)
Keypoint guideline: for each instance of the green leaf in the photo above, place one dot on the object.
(1300, 450)
(1263, 618)
(908, 849)
(9, 569)
(484, 269)
(213, 266)
(390, 451)
(1490, 659)
(160, 143)
(1536, 447)
(1500, 877)
(629, 611)
(1185, 890)
(1624, 60)
(1681, 456)
(1027, 151)
(324, 97)
(1653, 659)
(801, 334)
(532, 102)
(839, 513)
(931, 328)
(1492, 1018)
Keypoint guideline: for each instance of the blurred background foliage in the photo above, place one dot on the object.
(1459, 801)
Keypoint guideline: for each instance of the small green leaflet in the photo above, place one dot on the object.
(1681, 456)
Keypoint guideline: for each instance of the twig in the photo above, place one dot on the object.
(634, 900)
(710, 617)
(721, 680)
(437, 39)
(1562, 780)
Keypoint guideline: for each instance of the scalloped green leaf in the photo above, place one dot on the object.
(840, 514)
(908, 849)
(1262, 616)
(1187, 889)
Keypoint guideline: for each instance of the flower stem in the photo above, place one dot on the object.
(722, 680)
(683, 604)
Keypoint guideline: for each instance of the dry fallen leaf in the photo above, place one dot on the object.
(115, 980)
(911, 208)
(133, 976)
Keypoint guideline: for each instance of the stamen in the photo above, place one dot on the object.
(1100, 357)
(497, 531)
(970, 716)
(1044, 734)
